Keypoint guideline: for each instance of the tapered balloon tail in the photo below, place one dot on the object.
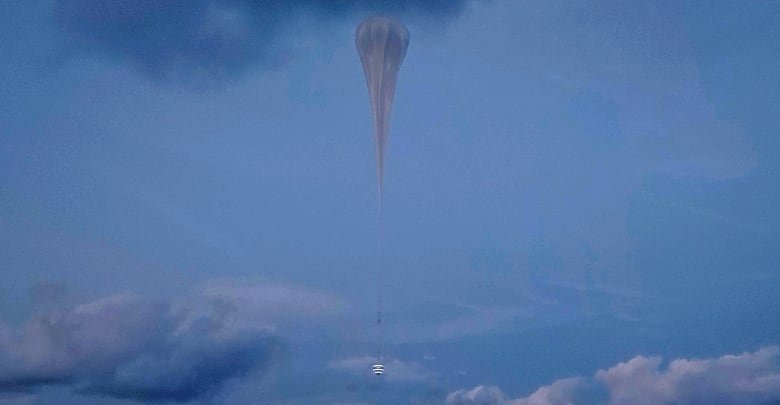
(381, 43)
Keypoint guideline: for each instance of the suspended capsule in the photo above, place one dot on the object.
(378, 369)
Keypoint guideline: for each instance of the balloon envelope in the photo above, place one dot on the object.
(381, 43)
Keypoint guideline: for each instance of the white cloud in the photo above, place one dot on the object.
(731, 379)
(747, 378)
(560, 392)
(479, 395)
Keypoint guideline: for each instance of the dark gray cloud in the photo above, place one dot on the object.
(198, 41)
(746, 378)
(183, 371)
(125, 346)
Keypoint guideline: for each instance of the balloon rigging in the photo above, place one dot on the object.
(381, 43)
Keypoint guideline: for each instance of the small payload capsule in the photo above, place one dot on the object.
(378, 369)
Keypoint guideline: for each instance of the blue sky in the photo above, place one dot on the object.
(575, 194)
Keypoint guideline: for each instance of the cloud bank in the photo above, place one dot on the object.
(131, 347)
(747, 378)
(208, 40)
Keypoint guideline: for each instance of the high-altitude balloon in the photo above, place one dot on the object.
(381, 43)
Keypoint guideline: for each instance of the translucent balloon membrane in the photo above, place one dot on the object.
(381, 43)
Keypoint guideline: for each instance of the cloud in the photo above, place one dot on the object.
(128, 346)
(747, 378)
(200, 40)
(479, 395)
(395, 370)
(472, 320)
(561, 392)
(558, 393)
(271, 301)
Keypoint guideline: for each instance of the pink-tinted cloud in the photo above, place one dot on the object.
(746, 378)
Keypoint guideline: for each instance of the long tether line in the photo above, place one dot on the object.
(379, 282)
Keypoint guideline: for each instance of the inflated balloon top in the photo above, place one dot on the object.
(381, 43)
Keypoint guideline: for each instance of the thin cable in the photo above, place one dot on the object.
(379, 282)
